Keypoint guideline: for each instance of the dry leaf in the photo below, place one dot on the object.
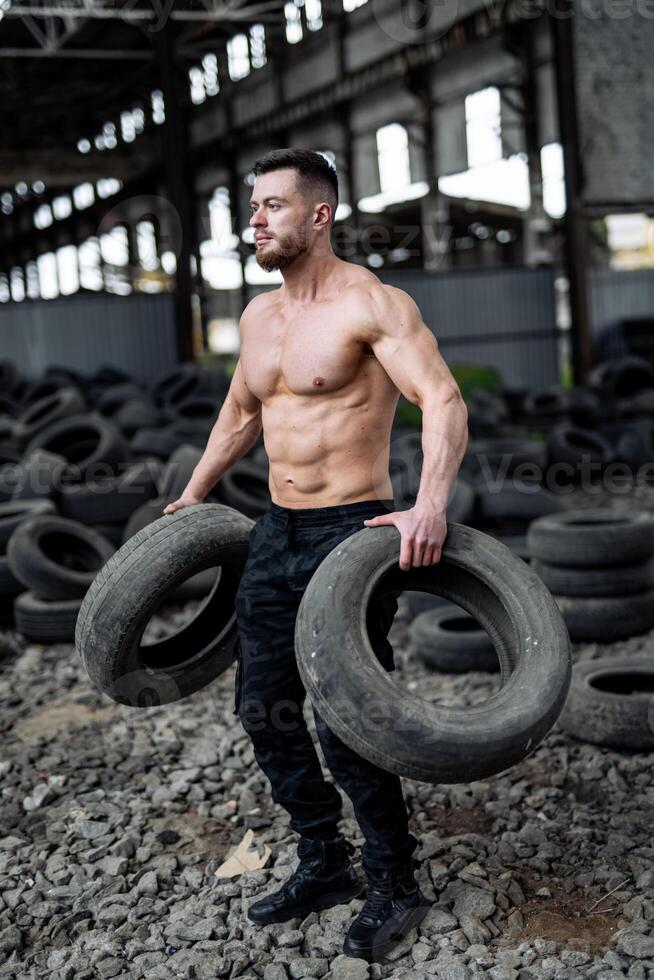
(248, 856)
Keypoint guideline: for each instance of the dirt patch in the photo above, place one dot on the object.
(60, 716)
(454, 821)
(206, 836)
(565, 917)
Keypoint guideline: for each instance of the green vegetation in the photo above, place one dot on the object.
(469, 376)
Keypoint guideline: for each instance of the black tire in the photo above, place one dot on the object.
(614, 580)
(635, 445)
(178, 471)
(136, 414)
(150, 511)
(637, 406)
(583, 538)
(195, 411)
(62, 404)
(505, 455)
(111, 399)
(37, 390)
(134, 583)
(9, 479)
(555, 404)
(88, 442)
(112, 532)
(245, 488)
(418, 602)
(9, 584)
(11, 379)
(161, 443)
(41, 475)
(512, 539)
(174, 386)
(196, 587)
(45, 621)
(451, 640)
(513, 504)
(57, 558)
(461, 504)
(572, 445)
(7, 620)
(408, 736)
(14, 512)
(112, 501)
(609, 618)
(611, 702)
(622, 376)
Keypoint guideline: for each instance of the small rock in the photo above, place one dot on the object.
(636, 944)
(310, 966)
(291, 938)
(349, 968)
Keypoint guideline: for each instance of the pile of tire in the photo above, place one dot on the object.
(611, 702)
(106, 454)
(449, 640)
(599, 566)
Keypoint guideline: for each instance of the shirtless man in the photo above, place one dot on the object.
(322, 363)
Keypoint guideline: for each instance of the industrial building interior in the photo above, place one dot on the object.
(493, 163)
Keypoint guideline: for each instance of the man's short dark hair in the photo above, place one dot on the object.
(316, 177)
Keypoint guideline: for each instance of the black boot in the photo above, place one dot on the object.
(324, 877)
(394, 905)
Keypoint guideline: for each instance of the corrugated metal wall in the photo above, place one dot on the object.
(614, 294)
(501, 317)
(85, 332)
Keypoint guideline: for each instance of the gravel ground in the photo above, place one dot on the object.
(113, 821)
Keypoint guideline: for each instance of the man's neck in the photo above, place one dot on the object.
(306, 280)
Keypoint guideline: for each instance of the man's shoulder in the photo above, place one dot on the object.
(372, 298)
(259, 304)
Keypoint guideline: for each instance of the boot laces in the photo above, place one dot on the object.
(376, 901)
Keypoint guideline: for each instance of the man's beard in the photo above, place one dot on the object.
(279, 254)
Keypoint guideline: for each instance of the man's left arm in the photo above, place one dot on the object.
(408, 351)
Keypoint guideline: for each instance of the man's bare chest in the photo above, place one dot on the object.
(303, 359)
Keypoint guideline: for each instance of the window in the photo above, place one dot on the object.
(62, 206)
(393, 157)
(210, 68)
(107, 186)
(158, 109)
(48, 279)
(67, 269)
(258, 45)
(127, 130)
(483, 127)
(17, 283)
(238, 57)
(293, 22)
(196, 79)
(146, 245)
(43, 216)
(83, 195)
(90, 271)
(551, 161)
(313, 11)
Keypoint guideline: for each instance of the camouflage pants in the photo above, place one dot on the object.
(286, 546)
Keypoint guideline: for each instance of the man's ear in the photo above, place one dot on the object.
(322, 215)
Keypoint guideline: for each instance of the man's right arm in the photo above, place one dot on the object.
(234, 433)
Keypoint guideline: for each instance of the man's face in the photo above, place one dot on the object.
(281, 220)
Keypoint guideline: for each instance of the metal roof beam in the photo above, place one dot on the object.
(228, 13)
(81, 53)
